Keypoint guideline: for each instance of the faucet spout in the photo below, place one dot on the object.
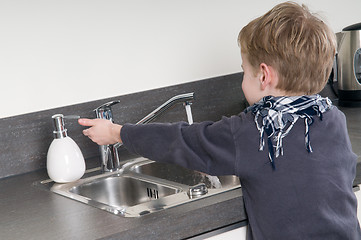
(186, 98)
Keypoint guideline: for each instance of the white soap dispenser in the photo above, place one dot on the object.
(65, 162)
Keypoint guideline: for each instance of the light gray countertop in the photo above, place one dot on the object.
(28, 212)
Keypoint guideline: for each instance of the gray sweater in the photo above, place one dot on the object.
(306, 196)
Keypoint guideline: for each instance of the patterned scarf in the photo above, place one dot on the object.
(279, 114)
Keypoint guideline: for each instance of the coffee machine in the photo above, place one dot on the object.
(348, 66)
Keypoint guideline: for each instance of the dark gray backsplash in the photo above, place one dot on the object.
(25, 139)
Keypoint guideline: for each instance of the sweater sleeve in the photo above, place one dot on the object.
(208, 146)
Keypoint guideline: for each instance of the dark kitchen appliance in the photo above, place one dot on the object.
(348, 66)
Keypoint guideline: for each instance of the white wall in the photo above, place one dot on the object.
(61, 52)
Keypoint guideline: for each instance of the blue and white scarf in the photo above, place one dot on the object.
(278, 116)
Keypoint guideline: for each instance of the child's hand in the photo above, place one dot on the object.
(101, 131)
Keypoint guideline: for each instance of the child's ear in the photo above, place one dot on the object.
(265, 76)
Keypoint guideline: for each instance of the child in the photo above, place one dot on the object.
(290, 148)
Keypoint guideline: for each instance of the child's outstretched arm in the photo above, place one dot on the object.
(101, 131)
(207, 146)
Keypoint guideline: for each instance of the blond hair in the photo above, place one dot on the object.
(299, 45)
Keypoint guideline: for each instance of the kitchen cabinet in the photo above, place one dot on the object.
(236, 231)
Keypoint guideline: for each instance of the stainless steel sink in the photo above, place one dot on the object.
(141, 187)
(175, 173)
(126, 191)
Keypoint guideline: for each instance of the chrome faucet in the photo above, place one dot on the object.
(109, 153)
(186, 99)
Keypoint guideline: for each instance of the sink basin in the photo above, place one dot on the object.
(123, 191)
(175, 173)
(141, 187)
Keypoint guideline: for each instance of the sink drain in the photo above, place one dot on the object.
(197, 190)
(152, 193)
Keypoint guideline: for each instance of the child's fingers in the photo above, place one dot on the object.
(86, 122)
(86, 132)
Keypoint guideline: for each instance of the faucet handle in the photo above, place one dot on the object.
(107, 105)
(104, 111)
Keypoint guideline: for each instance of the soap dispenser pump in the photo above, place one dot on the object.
(65, 162)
